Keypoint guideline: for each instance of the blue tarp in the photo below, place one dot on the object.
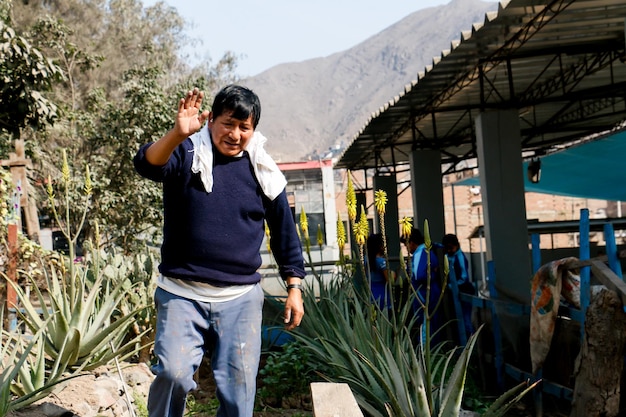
(592, 170)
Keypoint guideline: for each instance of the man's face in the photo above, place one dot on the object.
(230, 135)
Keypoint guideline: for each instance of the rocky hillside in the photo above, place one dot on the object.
(319, 105)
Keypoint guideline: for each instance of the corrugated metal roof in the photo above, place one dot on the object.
(560, 63)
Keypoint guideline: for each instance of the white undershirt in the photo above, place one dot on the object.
(201, 291)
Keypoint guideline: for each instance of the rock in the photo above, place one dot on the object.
(98, 393)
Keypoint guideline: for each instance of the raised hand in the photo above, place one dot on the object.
(190, 118)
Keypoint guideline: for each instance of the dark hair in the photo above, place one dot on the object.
(450, 240)
(416, 236)
(241, 101)
(374, 245)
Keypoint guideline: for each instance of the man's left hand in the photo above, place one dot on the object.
(294, 308)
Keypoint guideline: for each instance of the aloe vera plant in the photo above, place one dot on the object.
(24, 378)
(78, 326)
(79, 309)
(13, 358)
(351, 340)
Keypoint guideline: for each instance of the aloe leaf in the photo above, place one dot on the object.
(76, 311)
(508, 399)
(453, 394)
(39, 393)
(11, 370)
(100, 337)
(70, 347)
(29, 310)
(103, 316)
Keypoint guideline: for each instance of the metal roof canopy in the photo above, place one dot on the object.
(560, 63)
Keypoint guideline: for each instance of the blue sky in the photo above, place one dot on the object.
(271, 32)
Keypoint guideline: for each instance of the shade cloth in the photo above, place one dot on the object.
(594, 169)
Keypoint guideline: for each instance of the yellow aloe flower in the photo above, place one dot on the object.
(320, 236)
(362, 228)
(267, 241)
(351, 199)
(65, 169)
(88, 185)
(304, 223)
(341, 233)
(380, 201)
(406, 225)
(49, 188)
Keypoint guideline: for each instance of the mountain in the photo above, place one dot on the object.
(312, 107)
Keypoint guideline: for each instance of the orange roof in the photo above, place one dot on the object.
(293, 166)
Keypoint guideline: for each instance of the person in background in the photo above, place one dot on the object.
(378, 271)
(419, 278)
(459, 272)
(219, 188)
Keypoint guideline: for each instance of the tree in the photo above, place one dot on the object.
(26, 73)
(122, 79)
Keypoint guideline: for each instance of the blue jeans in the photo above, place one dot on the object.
(186, 329)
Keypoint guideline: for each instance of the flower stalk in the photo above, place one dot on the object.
(320, 245)
(380, 202)
(361, 231)
(304, 227)
(351, 200)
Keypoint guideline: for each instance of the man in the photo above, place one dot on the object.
(219, 187)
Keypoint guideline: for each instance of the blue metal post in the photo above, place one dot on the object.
(536, 251)
(611, 250)
(585, 272)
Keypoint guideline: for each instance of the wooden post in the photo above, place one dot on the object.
(18, 163)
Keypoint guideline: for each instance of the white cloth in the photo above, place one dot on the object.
(267, 173)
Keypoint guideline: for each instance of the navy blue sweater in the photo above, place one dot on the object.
(216, 237)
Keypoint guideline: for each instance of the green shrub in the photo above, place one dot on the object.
(197, 409)
(286, 373)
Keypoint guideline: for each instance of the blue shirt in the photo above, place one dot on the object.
(419, 280)
(459, 271)
(420, 265)
(377, 270)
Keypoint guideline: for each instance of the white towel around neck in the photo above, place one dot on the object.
(268, 174)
